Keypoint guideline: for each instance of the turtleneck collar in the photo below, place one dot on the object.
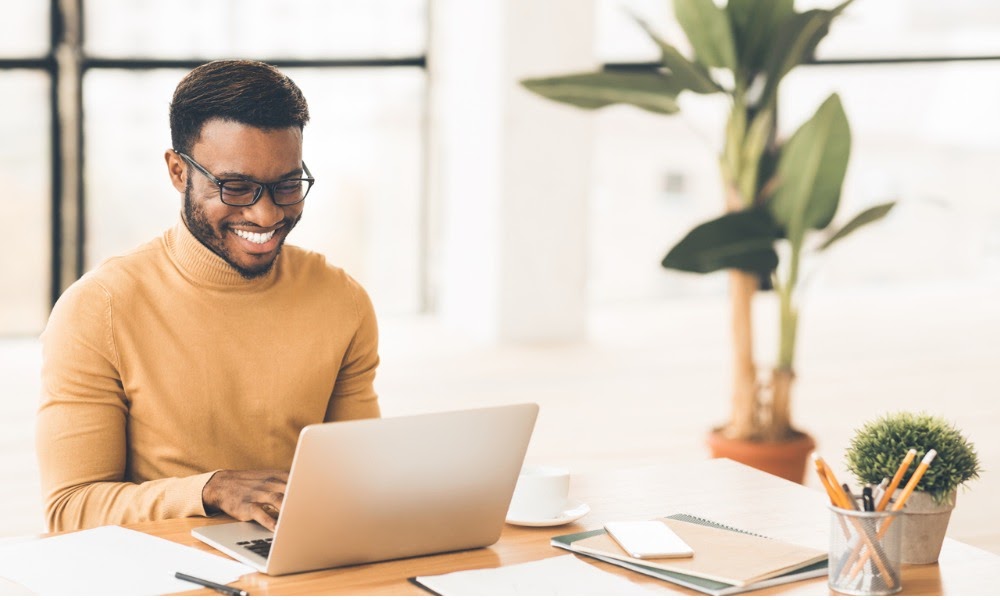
(206, 267)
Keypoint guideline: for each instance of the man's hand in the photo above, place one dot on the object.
(247, 495)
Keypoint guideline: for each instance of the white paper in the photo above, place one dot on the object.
(111, 561)
(559, 576)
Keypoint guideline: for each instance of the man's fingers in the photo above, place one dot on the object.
(241, 494)
(272, 498)
(264, 517)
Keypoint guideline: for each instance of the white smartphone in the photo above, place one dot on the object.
(648, 539)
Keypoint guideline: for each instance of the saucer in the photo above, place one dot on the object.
(573, 511)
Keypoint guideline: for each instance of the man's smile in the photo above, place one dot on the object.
(255, 237)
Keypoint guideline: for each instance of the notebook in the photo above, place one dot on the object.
(725, 561)
(379, 489)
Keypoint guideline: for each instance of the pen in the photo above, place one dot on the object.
(850, 497)
(866, 498)
(879, 491)
(903, 496)
(839, 499)
(225, 589)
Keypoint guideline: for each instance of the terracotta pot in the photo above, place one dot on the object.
(785, 459)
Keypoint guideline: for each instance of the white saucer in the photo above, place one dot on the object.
(573, 511)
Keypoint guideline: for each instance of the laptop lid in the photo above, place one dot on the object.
(379, 489)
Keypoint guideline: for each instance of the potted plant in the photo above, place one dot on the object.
(779, 194)
(876, 452)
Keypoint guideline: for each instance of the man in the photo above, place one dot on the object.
(176, 378)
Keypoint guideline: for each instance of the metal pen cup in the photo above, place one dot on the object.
(865, 552)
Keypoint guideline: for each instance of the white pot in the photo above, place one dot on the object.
(924, 525)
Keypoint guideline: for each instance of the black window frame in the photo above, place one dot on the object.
(65, 64)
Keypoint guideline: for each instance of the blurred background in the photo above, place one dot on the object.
(512, 246)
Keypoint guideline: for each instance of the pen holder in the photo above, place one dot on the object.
(865, 552)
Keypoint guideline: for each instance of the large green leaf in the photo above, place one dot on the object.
(863, 218)
(689, 75)
(795, 43)
(655, 92)
(738, 240)
(755, 25)
(811, 171)
(756, 140)
(707, 28)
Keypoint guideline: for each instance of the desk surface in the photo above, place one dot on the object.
(719, 490)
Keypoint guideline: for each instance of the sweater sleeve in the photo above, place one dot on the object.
(82, 430)
(354, 394)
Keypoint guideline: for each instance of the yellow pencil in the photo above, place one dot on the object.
(823, 479)
(840, 500)
(912, 483)
(887, 495)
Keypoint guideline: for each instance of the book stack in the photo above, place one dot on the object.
(725, 560)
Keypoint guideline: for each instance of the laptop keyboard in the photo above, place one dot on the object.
(261, 547)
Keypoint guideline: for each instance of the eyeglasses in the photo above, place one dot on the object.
(246, 192)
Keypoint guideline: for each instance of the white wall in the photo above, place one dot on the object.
(509, 171)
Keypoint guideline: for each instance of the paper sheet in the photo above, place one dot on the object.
(559, 576)
(111, 561)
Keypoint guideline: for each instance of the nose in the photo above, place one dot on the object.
(264, 213)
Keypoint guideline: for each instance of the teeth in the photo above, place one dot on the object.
(257, 238)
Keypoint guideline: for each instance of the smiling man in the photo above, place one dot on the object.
(176, 378)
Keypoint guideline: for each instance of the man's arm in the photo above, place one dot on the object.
(354, 394)
(82, 426)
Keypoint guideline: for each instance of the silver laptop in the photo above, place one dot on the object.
(380, 489)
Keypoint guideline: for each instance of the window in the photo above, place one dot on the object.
(918, 83)
(25, 166)
(360, 64)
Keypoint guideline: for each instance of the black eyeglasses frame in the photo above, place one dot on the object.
(220, 183)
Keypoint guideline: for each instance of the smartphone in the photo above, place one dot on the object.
(648, 539)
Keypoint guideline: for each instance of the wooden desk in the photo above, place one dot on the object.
(720, 489)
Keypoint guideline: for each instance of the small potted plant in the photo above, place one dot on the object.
(876, 452)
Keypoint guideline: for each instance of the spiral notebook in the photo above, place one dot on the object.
(726, 560)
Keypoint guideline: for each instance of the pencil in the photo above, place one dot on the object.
(917, 475)
(887, 495)
(841, 501)
(925, 464)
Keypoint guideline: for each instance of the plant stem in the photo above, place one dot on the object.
(744, 421)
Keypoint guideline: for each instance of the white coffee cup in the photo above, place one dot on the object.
(540, 494)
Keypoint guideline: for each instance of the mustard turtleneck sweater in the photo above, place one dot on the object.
(165, 365)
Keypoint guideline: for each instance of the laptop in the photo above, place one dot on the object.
(381, 489)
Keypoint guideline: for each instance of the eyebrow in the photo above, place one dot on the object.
(294, 173)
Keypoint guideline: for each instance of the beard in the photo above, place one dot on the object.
(214, 240)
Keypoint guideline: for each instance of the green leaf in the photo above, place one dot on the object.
(755, 25)
(795, 43)
(738, 240)
(757, 137)
(811, 171)
(707, 28)
(655, 92)
(863, 218)
(736, 129)
(689, 75)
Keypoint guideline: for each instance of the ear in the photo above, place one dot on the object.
(177, 169)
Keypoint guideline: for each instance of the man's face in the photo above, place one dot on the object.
(247, 237)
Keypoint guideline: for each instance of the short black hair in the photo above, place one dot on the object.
(245, 91)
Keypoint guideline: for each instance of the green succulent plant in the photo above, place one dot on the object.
(878, 448)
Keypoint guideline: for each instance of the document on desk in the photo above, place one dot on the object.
(559, 576)
(111, 561)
